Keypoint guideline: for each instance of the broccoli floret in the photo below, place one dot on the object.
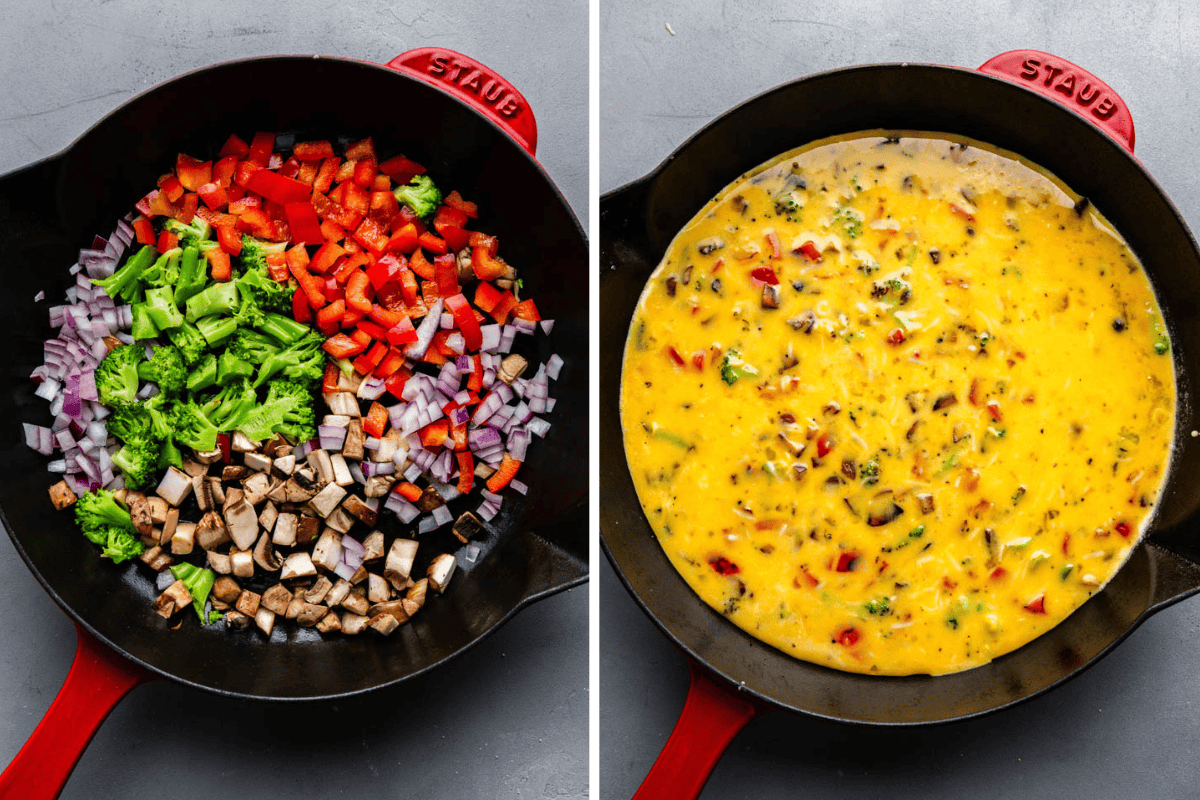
(131, 423)
(252, 346)
(117, 375)
(420, 195)
(189, 235)
(165, 271)
(219, 298)
(160, 308)
(192, 428)
(290, 410)
(120, 545)
(143, 326)
(248, 313)
(192, 276)
(191, 343)
(138, 461)
(255, 251)
(230, 368)
(268, 293)
(228, 408)
(105, 521)
(168, 454)
(199, 583)
(204, 375)
(124, 284)
(732, 368)
(166, 368)
(303, 360)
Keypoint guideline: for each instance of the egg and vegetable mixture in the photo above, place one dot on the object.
(898, 404)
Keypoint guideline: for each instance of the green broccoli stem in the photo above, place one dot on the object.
(219, 298)
(124, 282)
(231, 368)
(283, 329)
(161, 309)
(204, 375)
(217, 330)
(143, 324)
(192, 276)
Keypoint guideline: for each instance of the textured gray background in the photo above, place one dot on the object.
(1128, 728)
(507, 720)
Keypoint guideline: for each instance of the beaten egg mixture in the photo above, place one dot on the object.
(897, 404)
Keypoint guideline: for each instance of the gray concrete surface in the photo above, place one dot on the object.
(509, 719)
(1128, 728)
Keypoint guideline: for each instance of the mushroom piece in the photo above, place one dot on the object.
(217, 488)
(256, 487)
(328, 551)
(330, 623)
(339, 592)
(926, 501)
(770, 296)
(248, 602)
(265, 620)
(356, 601)
(156, 559)
(340, 521)
(271, 447)
(385, 624)
(258, 462)
(512, 367)
(319, 460)
(265, 555)
(294, 490)
(203, 492)
(341, 471)
(327, 499)
(158, 509)
(219, 562)
(417, 591)
(373, 546)
(466, 527)
(269, 516)
(236, 620)
(61, 495)
(234, 495)
(440, 572)
(306, 529)
(241, 443)
(358, 508)
(284, 466)
(170, 524)
(352, 448)
(139, 512)
(242, 523)
(359, 575)
(211, 532)
(192, 469)
(183, 539)
(242, 563)
(399, 562)
(298, 565)
(378, 590)
(285, 530)
(882, 509)
(378, 485)
(277, 598)
(344, 403)
(354, 624)
(210, 456)
(429, 499)
(389, 444)
(175, 597)
(317, 592)
(294, 607)
(310, 614)
(226, 589)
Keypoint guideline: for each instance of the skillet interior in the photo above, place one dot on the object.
(639, 221)
(49, 211)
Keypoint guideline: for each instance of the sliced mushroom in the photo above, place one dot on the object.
(284, 533)
(248, 602)
(242, 523)
(373, 546)
(256, 488)
(203, 492)
(211, 532)
(170, 524)
(399, 562)
(341, 471)
(242, 563)
(883, 509)
(272, 448)
(219, 562)
(352, 447)
(328, 552)
(298, 565)
(284, 466)
(269, 516)
(344, 403)
(277, 598)
(318, 591)
(139, 512)
(306, 529)
(156, 559)
(183, 539)
(175, 597)
(356, 601)
(354, 624)
(217, 489)
(265, 555)
(62, 496)
(440, 572)
(327, 499)
(378, 590)
(209, 456)
(339, 520)
(265, 620)
(417, 591)
(378, 485)
(944, 401)
(389, 444)
(233, 496)
(394, 608)
(310, 614)
(226, 589)
(158, 509)
(429, 499)
(330, 622)
(359, 575)
(339, 592)
(236, 620)
(294, 607)
(926, 501)
(770, 296)
(358, 508)
(320, 461)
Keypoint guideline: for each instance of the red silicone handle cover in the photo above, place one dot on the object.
(712, 715)
(1070, 86)
(472, 82)
(98, 679)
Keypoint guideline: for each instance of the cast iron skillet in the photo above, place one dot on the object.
(474, 131)
(1027, 102)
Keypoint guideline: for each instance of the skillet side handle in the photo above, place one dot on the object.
(712, 715)
(1068, 85)
(98, 679)
(476, 85)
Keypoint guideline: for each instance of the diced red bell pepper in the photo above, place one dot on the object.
(434, 434)
(244, 204)
(406, 216)
(363, 148)
(475, 379)
(409, 491)
(368, 361)
(171, 187)
(303, 223)
(504, 475)
(342, 346)
(331, 210)
(192, 172)
(356, 199)
(218, 264)
(374, 330)
(143, 229)
(332, 290)
(449, 217)
(846, 561)
(329, 318)
(309, 283)
(385, 317)
(823, 445)
(486, 266)
(290, 168)
(187, 208)
(214, 196)
(167, 241)
(325, 174)
(216, 218)
(329, 382)
(279, 188)
(434, 244)
(234, 146)
(487, 296)
(809, 249)
(277, 267)
(404, 240)
(848, 637)
(160, 205)
(383, 183)
(402, 332)
(445, 273)
(256, 222)
(409, 289)
(261, 147)
(395, 383)
(301, 310)
(429, 292)
(324, 258)
(312, 151)
(229, 239)
(489, 243)
(375, 422)
(384, 206)
(371, 236)
(222, 174)
(355, 296)
(456, 239)
(506, 304)
(308, 172)
(464, 320)
(332, 231)
(245, 171)
(298, 256)
(383, 271)
(143, 205)
(421, 266)
(364, 173)
(1037, 605)
(466, 470)
(401, 169)
(773, 241)
(527, 311)
(454, 200)
(765, 275)
(391, 363)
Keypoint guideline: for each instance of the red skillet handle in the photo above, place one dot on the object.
(1068, 85)
(472, 82)
(711, 717)
(98, 679)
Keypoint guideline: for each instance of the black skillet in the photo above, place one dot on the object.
(474, 131)
(1031, 103)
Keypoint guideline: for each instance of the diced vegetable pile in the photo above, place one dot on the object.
(288, 346)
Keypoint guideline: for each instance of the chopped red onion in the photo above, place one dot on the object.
(539, 427)
(412, 473)
(465, 364)
(491, 338)
(425, 332)
(460, 416)
(442, 516)
(447, 322)
(487, 512)
(48, 390)
(483, 438)
(519, 486)
(344, 570)
(456, 342)
(426, 525)
(537, 405)
(553, 365)
(547, 326)
(524, 325)
(356, 472)
(492, 497)
(372, 388)
(58, 466)
(518, 443)
(331, 437)
(375, 468)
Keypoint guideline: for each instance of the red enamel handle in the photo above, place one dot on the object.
(475, 84)
(98, 679)
(712, 715)
(1068, 85)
